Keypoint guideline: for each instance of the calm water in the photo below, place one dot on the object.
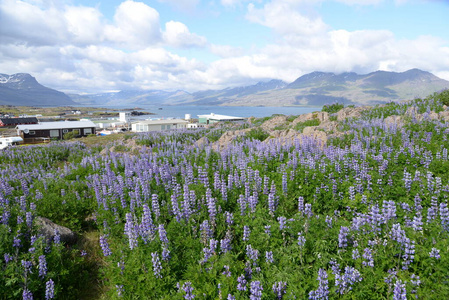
(179, 111)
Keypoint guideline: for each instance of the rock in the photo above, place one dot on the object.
(270, 124)
(316, 133)
(202, 142)
(351, 112)
(47, 229)
(394, 120)
(228, 137)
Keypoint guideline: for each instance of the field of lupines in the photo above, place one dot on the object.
(364, 216)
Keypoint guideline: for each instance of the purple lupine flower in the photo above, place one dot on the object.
(308, 209)
(226, 272)
(323, 288)
(355, 254)
(229, 218)
(414, 280)
(417, 222)
(271, 204)
(225, 245)
(162, 234)
(241, 283)
(344, 281)
(407, 180)
(252, 201)
(27, 265)
(256, 290)
(279, 289)
(282, 223)
(433, 210)
(409, 255)
(8, 258)
(246, 233)
(57, 237)
(242, 202)
(329, 221)
(343, 237)
(155, 205)
(253, 254)
(120, 290)
(211, 205)
(185, 205)
(368, 256)
(230, 297)
(146, 227)
(157, 266)
(267, 230)
(444, 216)
(399, 292)
(42, 266)
(130, 231)
(188, 289)
(284, 183)
(269, 257)
(105, 246)
(165, 253)
(435, 253)
(301, 205)
(301, 239)
(49, 289)
(27, 295)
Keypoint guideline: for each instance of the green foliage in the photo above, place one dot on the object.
(301, 125)
(257, 134)
(70, 135)
(333, 108)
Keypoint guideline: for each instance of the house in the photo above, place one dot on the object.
(158, 125)
(213, 118)
(55, 130)
(9, 141)
(13, 122)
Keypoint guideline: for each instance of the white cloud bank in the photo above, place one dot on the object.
(76, 49)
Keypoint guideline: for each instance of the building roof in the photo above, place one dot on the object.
(16, 121)
(57, 125)
(213, 116)
(162, 122)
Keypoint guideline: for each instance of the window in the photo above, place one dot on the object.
(54, 133)
(168, 126)
(65, 130)
(87, 130)
(163, 127)
(32, 132)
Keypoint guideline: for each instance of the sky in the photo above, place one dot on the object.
(81, 46)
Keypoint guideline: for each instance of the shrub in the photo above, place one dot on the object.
(300, 126)
(333, 108)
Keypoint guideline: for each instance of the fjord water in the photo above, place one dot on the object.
(179, 111)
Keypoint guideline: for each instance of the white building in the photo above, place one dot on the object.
(158, 125)
(124, 117)
(214, 118)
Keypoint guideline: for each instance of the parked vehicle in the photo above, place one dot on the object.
(9, 141)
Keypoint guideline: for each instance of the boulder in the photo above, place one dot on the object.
(270, 124)
(47, 229)
(351, 112)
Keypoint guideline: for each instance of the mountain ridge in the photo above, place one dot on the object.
(312, 89)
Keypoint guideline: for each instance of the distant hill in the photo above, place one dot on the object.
(23, 89)
(313, 89)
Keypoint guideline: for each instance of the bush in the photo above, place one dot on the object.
(300, 126)
(333, 108)
(257, 134)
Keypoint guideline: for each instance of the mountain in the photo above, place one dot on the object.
(313, 89)
(23, 89)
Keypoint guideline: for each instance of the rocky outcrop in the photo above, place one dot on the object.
(228, 137)
(351, 112)
(274, 122)
(48, 229)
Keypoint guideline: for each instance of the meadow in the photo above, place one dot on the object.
(363, 216)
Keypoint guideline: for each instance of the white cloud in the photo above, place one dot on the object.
(178, 35)
(286, 19)
(182, 4)
(226, 51)
(136, 25)
(84, 24)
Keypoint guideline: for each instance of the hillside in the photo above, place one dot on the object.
(23, 89)
(314, 89)
(346, 203)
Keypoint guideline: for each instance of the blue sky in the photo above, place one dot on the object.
(95, 46)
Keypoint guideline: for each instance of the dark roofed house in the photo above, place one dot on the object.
(13, 122)
(54, 130)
